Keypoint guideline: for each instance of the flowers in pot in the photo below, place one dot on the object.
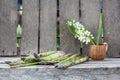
(97, 51)
(80, 32)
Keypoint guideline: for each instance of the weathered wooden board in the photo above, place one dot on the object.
(30, 24)
(109, 69)
(46, 73)
(90, 10)
(68, 9)
(112, 26)
(48, 25)
(8, 24)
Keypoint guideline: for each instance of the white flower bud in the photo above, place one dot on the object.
(73, 20)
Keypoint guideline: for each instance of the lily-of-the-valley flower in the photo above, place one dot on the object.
(80, 32)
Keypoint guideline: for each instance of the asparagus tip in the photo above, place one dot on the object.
(35, 55)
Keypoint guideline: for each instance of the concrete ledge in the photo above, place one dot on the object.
(109, 69)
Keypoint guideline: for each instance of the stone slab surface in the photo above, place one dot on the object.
(109, 69)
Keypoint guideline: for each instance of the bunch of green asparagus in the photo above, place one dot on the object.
(57, 58)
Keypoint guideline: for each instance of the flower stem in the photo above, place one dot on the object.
(81, 47)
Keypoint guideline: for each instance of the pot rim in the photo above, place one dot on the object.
(97, 45)
(100, 44)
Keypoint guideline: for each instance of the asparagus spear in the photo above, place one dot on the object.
(11, 63)
(31, 64)
(67, 63)
(17, 62)
(46, 53)
(30, 59)
(40, 55)
(24, 65)
(67, 59)
(61, 58)
(27, 57)
(73, 61)
(71, 57)
(53, 56)
(55, 60)
(46, 60)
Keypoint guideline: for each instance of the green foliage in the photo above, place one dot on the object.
(100, 29)
(79, 31)
(71, 28)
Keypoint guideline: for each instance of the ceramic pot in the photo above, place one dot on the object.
(98, 52)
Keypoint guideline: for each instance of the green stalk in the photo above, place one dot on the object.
(56, 60)
(15, 62)
(24, 65)
(67, 59)
(72, 56)
(32, 60)
(32, 64)
(53, 56)
(67, 63)
(47, 53)
(32, 56)
(27, 57)
(81, 47)
(73, 61)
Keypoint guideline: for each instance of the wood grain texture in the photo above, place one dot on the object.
(97, 52)
(30, 24)
(47, 73)
(109, 69)
(8, 24)
(48, 25)
(68, 9)
(112, 26)
(90, 10)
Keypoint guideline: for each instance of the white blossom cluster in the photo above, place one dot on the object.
(81, 33)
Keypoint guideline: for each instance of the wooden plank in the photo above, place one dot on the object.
(48, 25)
(30, 24)
(90, 10)
(108, 63)
(8, 24)
(68, 9)
(47, 73)
(112, 26)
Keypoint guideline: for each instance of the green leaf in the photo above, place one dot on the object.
(71, 28)
(100, 29)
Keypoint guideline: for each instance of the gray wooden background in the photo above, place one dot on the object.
(39, 23)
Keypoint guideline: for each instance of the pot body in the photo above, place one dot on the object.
(98, 52)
